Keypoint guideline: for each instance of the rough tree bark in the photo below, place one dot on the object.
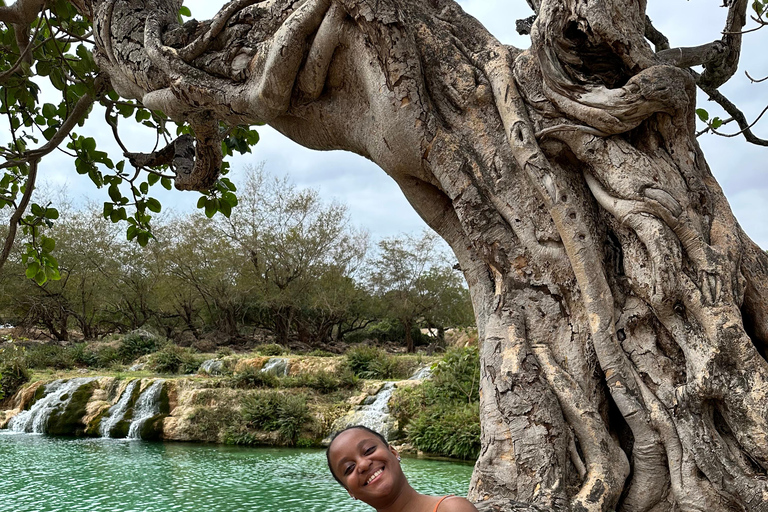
(622, 310)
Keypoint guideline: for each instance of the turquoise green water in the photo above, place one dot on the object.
(45, 474)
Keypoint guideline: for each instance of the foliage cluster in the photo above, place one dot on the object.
(270, 349)
(322, 381)
(369, 362)
(442, 415)
(283, 261)
(13, 369)
(174, 359)
(272, 411)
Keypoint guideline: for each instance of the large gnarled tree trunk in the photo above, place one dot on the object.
(622, 310)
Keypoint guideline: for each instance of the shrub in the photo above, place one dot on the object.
(82, 355)
(323, 381)
(174, 359)
(441, 416)
(370, 362)
(453, 431)
(251, 377)
(320, 353)
(275, 411)
(224, 352)
(13, 370)
(205, 423)
(270, 349)
(107, 357)
(48, 356)
(407, 402)
(457, 375)
(136, 344)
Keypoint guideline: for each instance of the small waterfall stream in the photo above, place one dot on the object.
(373, 413)
(277, 365)
(57, 396)
(147, 405)
(117, 412)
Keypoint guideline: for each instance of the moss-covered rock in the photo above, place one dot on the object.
(69, 420)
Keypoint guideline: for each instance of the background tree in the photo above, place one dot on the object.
(417, 286)
(621, 308)
(303, 256)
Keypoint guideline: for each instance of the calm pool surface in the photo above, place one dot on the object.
(45, 474)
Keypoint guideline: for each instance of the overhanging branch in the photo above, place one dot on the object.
(13, 224)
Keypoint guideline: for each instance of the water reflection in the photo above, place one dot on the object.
(45, 474)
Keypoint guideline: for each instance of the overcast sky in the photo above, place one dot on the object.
(377, 204)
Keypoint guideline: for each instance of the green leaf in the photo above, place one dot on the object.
(40, 278)
(88, 144)
(703, 114)
(142, 115)
(225, 208)
(166, 182)
(154, 205)
(48, 244)
(144, 187)
(153, 178)
(717, 123)
(32, 269)
(52, 273)
(49, 111)
(211, 207)
(108, 207)
(202, 202)
(114, 193)
(51, 213)
(143, 238)
(184, 11)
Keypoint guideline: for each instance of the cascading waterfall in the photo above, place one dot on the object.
(277, 366)
(57, 396)
(422, 373)
(373, 413)
(211, 367)
(117, 412)
(147, 406)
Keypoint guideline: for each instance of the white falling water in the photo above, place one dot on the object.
(422, 373)
(374, 415)
(117, 411)
(147, 405)
(211, 367)
(277, 366)
(57, 396)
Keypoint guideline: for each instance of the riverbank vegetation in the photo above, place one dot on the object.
(264, 396)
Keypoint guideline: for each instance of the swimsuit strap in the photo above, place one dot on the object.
(443, 499)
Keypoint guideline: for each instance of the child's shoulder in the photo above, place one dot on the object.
(456, 504)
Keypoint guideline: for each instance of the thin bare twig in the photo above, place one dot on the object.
(753, 80)
(743, 130)
(735, 113)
